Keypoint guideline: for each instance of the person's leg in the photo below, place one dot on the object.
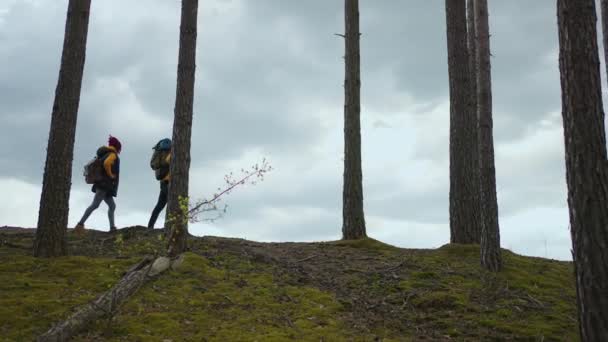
(99, 195)
(160, 204)
(111, 207)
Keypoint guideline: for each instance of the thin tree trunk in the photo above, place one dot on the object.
(490, 238)
(50, 240)
(474, 175)
(353, 220)
(182, 130)
(463, 213)
(586, 165)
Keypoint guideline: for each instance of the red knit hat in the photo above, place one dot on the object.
(112, 141)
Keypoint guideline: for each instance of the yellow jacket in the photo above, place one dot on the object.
(168, 161)
(109, 162)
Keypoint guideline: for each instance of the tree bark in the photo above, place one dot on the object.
(474, 175)
(353, 219)
(490, 238)
(586, 169)
(50, 240)
(604, 7)
(107, 303)
(463, 213)
(182, 130)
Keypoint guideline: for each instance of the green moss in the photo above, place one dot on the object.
(442, 300)
(532, 298)
(425, 275)
(34, 293)
(444, 292)
(409, 293)
(367, 243)
(233, 301)
(128, 243)
(459, 250)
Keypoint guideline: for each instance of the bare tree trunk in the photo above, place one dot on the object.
(476, 226)
(177, 206)
(586, 169)
(353, 220)
(50, 240)
(490, 238)
(463, 213)
(604, 6)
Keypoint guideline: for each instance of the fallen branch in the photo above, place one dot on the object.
(393, 267)
(106, 303)
(228, 299)
(307, 258)
(535, 301)
(146, 260)
(289, 321)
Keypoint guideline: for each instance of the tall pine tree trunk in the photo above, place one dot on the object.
(177, 205)
(353, 220)
(586, 165)
(604, 6)
(476, 226)
(463, 213)
(50, 240)
(490, 238)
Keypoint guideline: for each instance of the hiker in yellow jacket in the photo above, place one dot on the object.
(164, 176)
(106, 188)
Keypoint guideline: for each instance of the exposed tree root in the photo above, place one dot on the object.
(106, 304)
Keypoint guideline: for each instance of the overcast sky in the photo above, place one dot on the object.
(269, 84)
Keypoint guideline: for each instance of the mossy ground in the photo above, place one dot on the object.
(36, 292)
(237, 290)
(229, 300)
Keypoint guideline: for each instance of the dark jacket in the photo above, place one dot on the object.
(111, 166)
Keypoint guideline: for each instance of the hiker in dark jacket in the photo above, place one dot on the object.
(165, 177)
(106, 188)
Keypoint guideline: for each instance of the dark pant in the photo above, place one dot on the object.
(100, 195)
(160, 204)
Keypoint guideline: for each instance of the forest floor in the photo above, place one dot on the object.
(239, 290)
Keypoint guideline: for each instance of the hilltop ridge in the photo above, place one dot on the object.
(235, 289)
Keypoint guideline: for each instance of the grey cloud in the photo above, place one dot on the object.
(269, 82)
(286, 224)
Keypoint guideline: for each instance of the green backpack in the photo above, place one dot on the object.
(157, 162)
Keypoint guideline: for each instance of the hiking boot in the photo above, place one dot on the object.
(79, 229)
(113, 229)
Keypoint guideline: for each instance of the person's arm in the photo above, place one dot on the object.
(108, 163)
